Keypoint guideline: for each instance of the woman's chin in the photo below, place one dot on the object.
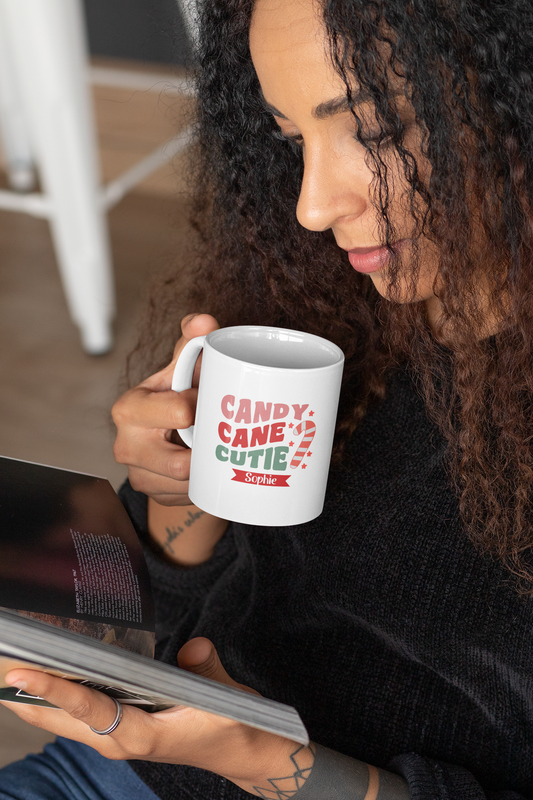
(401, 293)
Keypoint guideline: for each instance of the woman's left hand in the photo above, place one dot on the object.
(180, 735)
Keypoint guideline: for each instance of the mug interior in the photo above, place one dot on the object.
(275, 347)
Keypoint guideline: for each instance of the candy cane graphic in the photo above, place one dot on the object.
(308, 428)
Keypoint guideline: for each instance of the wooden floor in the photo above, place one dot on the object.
(54, 399)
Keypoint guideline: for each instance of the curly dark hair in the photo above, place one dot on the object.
(467, 70)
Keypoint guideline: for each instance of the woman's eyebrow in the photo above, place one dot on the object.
(337, 105)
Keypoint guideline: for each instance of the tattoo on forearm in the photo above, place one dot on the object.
(281, 788)
(318, 773)
(174, 531)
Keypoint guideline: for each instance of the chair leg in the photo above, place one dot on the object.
(49, 48)
(13, 125)
(189, 13)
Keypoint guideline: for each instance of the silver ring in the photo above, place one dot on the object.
(115, 722)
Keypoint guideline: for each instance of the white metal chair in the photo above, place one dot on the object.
(47, 126)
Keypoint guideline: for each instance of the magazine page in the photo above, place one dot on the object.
(33, 643)
(69, 556)
(11, 694)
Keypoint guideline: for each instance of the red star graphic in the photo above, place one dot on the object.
(291, 425)
(309, 453)
(291, 444)
(304, 466)
(311, 413)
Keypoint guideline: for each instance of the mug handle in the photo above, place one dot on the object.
(182, 377)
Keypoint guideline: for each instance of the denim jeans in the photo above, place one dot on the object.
(68, 770)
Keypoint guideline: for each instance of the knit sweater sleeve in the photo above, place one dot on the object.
(436, 780)
(178, 592)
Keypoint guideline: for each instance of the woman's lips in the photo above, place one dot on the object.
(372, 259)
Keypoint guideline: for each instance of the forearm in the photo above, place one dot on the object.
(318, 773)
(185, 535)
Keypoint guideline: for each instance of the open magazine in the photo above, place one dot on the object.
(75, 601)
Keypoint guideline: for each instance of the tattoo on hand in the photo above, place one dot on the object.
(175, 530)
(282, 788)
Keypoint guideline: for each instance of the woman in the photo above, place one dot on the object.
(365, 174)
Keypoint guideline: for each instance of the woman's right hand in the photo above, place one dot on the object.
(147, 418)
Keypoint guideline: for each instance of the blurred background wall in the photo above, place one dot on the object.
(147, 30)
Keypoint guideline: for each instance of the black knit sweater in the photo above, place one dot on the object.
(398, 643)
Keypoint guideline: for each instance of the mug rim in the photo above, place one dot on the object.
(330, 345)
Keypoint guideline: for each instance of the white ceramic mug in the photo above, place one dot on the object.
(265, 420)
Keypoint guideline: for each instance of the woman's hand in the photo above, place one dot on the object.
(180, 735)
(147, 418)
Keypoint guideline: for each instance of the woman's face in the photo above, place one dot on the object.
(308, 101)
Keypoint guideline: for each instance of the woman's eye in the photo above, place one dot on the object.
(295, 138)
(375, 140)
(372, 140)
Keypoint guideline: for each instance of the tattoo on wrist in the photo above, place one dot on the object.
(302, 761)
(318, 773)
(174, 531)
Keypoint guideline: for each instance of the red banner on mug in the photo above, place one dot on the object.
(260, 478)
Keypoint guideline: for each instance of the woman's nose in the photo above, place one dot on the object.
(330, 192)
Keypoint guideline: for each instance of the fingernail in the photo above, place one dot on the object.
(18, 684)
